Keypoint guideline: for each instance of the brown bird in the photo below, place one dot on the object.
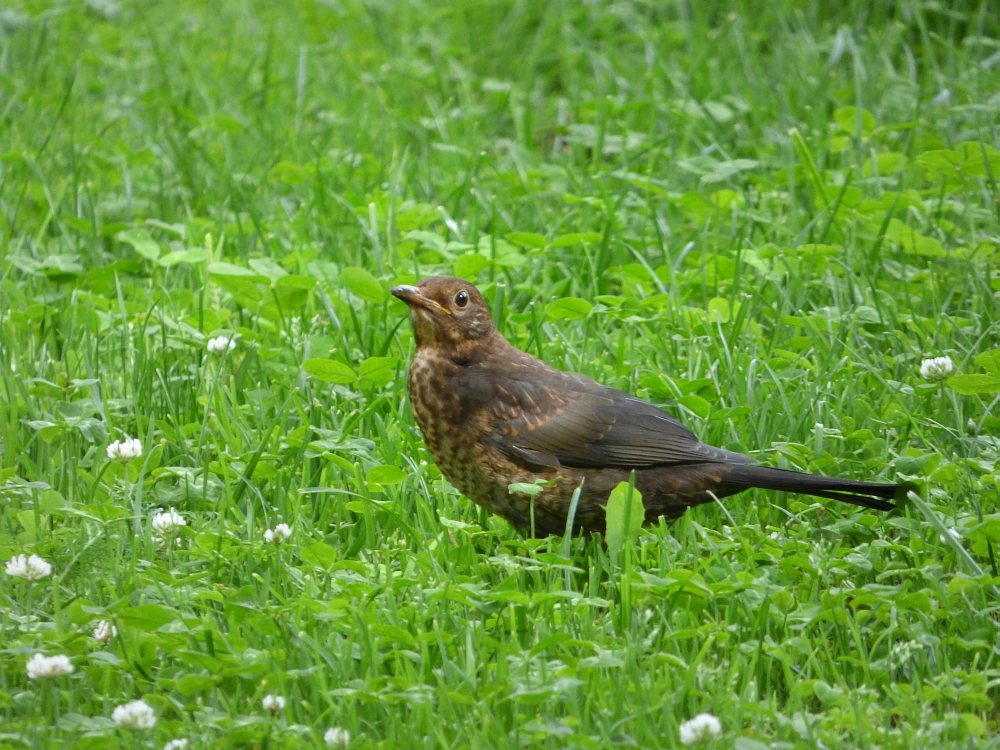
(492, 415)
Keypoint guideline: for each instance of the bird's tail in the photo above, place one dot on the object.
(865, 494)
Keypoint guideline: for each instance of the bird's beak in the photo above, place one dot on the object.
(412, 295)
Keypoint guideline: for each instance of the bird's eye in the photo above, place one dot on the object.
(462, 299)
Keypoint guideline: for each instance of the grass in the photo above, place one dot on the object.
(762, 216)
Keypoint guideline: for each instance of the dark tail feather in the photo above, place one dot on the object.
(847, 490)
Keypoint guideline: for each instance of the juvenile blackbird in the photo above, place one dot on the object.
(492, 415)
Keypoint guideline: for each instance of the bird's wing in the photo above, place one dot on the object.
(547, 416)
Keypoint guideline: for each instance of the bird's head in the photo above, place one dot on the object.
(446, 310)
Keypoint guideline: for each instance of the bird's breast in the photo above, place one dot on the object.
(451, 430)
(449, 408)
(435, 391)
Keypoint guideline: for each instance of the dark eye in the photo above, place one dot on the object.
(461, 299)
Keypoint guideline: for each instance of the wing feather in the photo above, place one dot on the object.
(546, 417)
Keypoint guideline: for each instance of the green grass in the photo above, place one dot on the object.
(761, 216)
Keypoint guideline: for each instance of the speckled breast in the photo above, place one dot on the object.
(451, 440)
(458, 443)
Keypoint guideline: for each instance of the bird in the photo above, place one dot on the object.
(493, 416)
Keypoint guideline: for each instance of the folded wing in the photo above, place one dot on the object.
(570, 420)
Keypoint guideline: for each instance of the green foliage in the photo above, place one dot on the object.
(969, 385)
(973, 384)
(568, 308)
(329, 370)
(140, 240)
(760, 218)
(363, 284)
(625, 515)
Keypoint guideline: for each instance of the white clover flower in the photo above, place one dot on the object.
(134, 715)
(167, 521)
(30, 569)
(273, 703)
(937, 368)
(337, 737)
(281, 532)
(221, 345)
(104, 631)
(701, 727)
(180, 744)
(125, 450)
(41, 667)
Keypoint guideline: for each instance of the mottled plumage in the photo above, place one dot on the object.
(492, 415)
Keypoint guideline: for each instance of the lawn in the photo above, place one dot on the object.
(762, 217)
